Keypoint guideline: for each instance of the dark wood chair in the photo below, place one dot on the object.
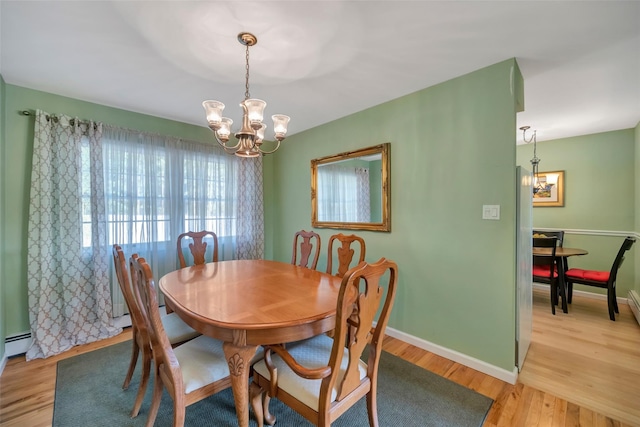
(544, 270)
(322, 377)
(198, 247)
(177, 331)
(344, 252)
(306, 239)
(600, 279)
(560, 236)
(190, 372)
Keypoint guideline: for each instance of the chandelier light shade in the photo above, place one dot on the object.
(251, 134)
(539, 183)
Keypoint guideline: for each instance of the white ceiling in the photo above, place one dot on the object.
(321, 60)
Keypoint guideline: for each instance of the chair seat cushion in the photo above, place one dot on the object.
(593, 275)
(177, 331)
(202, 362)
(311, 353)
(543, 271)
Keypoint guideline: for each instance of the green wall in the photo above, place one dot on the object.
(452, 151)
(600, 198)
(16, 175)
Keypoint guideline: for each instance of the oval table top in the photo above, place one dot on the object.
(269, 301)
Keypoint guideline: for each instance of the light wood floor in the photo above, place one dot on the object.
(581, 370)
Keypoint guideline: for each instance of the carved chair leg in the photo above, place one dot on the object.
(142, 388)
(155, 401)
(132, 364)
(256, 394)
(372, 408)
(269, 418)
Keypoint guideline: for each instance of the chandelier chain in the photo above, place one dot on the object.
(246, 93)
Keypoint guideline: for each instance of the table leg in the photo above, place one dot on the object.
(239, 359)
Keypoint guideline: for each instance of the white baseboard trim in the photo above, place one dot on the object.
(3, 363)
(20, 343)
(478, 365)
(583, 294)
(17, 344)
(634, 303)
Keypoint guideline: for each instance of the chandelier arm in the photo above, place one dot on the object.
(268, 152)
(226, 147)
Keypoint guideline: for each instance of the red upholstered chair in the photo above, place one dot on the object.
(557, 234)
(306, 239)
(544, 269)
(601, 279)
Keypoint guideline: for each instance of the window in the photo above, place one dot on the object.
(153, 191)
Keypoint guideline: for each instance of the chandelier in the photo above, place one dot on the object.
(251, 134)
(539, 182)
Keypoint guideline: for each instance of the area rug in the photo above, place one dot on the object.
(89, 393)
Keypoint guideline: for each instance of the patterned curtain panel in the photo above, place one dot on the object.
(250, 209)
(364, 194)
(68, 280)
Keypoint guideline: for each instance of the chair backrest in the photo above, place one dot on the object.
(122, 274)
(146, 296)
(198, 246)
(306, 239)
(626, 245)
(557, 234)
(545, 242)
(362, 293)
(344, 253)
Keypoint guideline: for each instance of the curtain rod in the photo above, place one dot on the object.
(179, 138)
(54, 117)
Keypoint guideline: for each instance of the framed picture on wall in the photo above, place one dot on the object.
(548, 189)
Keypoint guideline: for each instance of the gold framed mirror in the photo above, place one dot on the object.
(352, 190)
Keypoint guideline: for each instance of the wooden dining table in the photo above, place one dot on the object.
(249, 303)
(561, 256)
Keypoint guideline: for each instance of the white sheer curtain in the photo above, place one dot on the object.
(158, 187)
(67, 274)
(343, 194)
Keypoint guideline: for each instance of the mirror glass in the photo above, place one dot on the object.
(351, 190)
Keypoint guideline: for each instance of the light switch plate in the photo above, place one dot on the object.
(491, 212)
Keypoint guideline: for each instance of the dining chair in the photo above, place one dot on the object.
(306, 239)
(177, 331)
(344, 252)
(322, 377)
(198, 247)
(191, 371)
(544, 270)
(559, 235)
(600, 279)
